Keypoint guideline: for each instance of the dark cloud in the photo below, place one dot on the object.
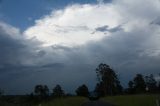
(41, 53)
(156, 21)
(115, 29)
(25, 64)
(9, 48)
(54, 65)
(104, 1)
(106, 28)
(102, 28)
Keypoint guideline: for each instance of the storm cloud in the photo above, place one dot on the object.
(130, 47)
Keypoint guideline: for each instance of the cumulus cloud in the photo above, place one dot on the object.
(73, 25)
(68, 52)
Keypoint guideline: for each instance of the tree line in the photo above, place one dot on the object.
(108, 84)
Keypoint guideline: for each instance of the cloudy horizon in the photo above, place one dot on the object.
(63, 43)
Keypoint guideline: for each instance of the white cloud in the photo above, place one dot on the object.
(74, 25)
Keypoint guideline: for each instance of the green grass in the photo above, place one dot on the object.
(133, 100)
(124, 100)
(70, 101)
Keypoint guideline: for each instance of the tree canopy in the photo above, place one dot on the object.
(41, 90)
(108, 80)
(57, 91)
(82, 90)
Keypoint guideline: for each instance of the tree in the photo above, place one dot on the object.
(151, 83)
(57, 91)
(139, 83)
(119, 88)
(41, 90)
(99, 89)
(159, 83)
(82, 91)
(159, 86)
(130, 87)
(130, 84)
(1, 92)
(108, 78)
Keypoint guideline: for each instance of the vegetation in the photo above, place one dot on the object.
(108, 85)
(122, 100)
(82, 91)
(141, 84)
(41, 91)
(151, 83)
(133, 100)
(70, 101)
(1, 92)
(57, 91)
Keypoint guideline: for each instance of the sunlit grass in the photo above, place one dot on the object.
(133, 100)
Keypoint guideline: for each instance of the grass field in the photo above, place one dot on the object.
(133, 100)
(70, 101)
(130, 100)
(125, 100)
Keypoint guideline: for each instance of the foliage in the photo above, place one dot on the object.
(130, 87)
(151, 83)
(1, 92)
(41, 90)
(57, 91)
(100, 89)
(82, 91)
(139, 83)
(108, 80)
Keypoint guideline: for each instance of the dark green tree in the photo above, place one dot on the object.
(159, 86)
(82, 91)
(139, 83)
(109, 80)
(57, 91)
(130, 87)
(99, 89)
(151, 83)
(159, 83)
(1, 92)
(41, 90)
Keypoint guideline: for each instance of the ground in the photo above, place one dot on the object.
(123, 100)
(133, 100)
(96, 103)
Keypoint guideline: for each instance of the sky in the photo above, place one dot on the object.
(63, 41)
